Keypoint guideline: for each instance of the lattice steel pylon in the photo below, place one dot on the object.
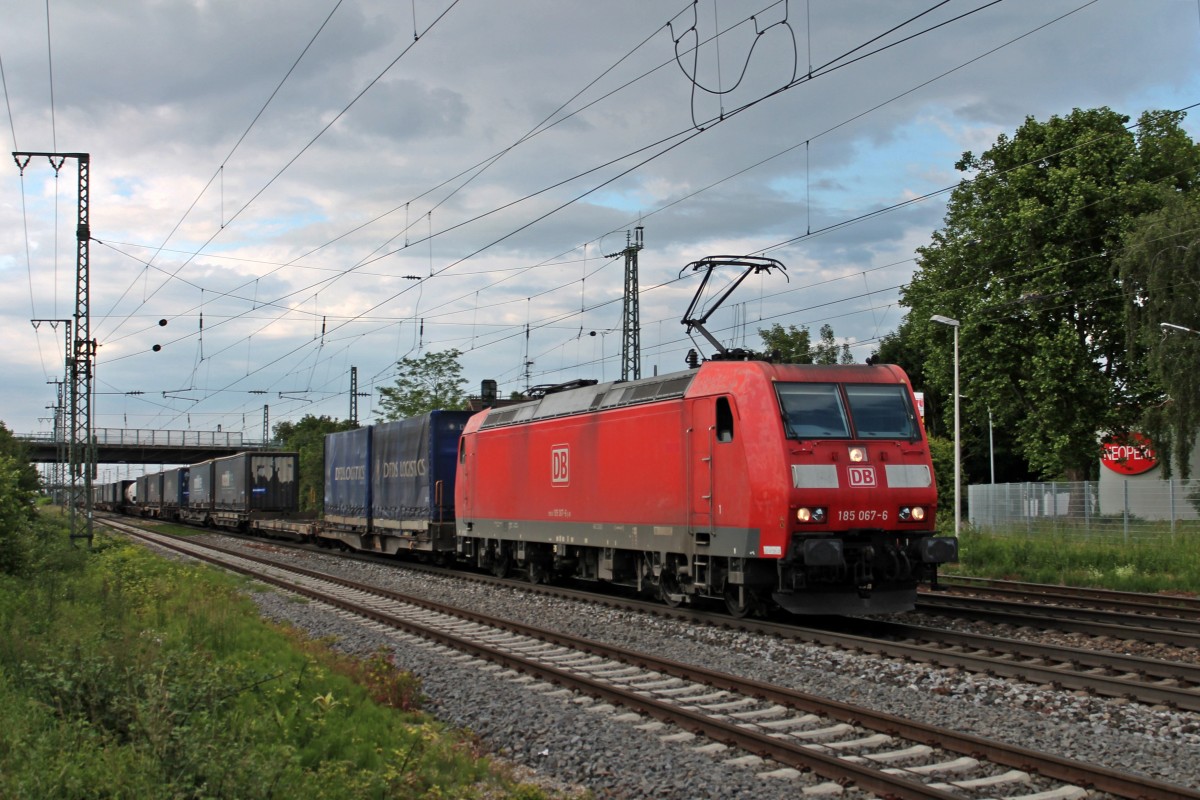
(631, 326)
(58, 471)
(80, 448)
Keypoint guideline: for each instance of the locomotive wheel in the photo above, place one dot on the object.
(502, 566)
(741, 604)
(536, 572)
(668, 589)
(737, 601)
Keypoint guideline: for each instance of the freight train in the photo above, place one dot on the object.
(754, 484)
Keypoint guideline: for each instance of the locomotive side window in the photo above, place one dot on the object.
(724, 420)
(881, 411)
(813, 411)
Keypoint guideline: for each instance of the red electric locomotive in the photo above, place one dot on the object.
(807, 487)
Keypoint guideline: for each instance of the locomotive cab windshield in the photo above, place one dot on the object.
(819, 411)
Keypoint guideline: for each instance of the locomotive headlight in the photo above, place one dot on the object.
(816, 515)
(918, 513)
(912, 514)
(858, 455)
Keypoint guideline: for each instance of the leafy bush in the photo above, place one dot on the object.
(126, 675)
(17, 514)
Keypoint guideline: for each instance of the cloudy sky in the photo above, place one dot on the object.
(301, 188)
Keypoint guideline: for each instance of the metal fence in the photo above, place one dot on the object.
(1123, 510)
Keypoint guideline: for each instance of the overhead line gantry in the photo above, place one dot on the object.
(82, 356)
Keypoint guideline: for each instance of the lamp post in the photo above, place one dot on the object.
(953, 323)
(1168, 326)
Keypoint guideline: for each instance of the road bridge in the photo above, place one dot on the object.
(133, 446)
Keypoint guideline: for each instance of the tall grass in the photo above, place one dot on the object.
(126, 675)
(1166, 563)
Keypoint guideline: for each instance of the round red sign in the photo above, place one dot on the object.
(1129, 453)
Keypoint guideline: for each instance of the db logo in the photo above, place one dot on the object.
(560, 465)
(862, 476)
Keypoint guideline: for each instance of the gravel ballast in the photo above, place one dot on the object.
(557, 736)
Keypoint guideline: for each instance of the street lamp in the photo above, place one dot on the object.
(953, 323)
(1166, 326)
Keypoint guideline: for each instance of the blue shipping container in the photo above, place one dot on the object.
(348, 477)
(413, 465)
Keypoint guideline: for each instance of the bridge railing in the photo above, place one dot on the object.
(154, 438)
(151, 438)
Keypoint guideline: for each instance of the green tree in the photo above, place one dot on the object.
(307, 437)
(433, 381)
(904, 350)
(27, 480)
(795, 346)
(1160, 272)
(791, 346)
(941, 452)
(1025, 261)
(18, 490)
(828, 351)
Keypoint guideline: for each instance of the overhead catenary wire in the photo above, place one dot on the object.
(856, 274)
(475, 294)
(491, 161)
(443, 269)
(451, 228)
(318, 135)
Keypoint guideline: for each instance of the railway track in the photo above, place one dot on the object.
(1174, 684)
(1102, 672)
(1173, 631)
(1166, 605)
(1106, 673)
(880, 753)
